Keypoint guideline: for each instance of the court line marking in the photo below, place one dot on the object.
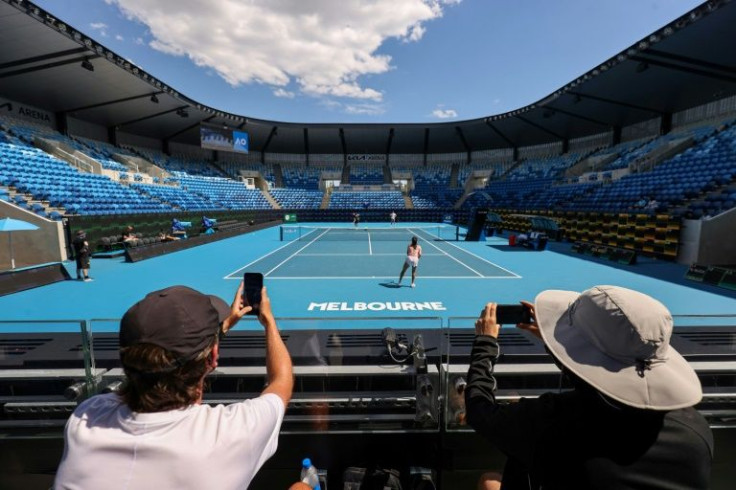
(294, 254)
(516, 276)
(260, 258)
(393, 278)
(453, 258)
(362, 255)
(370, 248)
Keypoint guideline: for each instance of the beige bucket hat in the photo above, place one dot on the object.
(618, 341)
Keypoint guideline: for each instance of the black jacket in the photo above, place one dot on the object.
(578, 439)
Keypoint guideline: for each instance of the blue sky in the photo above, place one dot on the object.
(367, 61)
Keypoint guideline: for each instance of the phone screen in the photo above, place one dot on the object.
(252, 285)
(512, 314)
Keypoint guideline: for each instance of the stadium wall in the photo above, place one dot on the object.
(31, 247)
(717, 239)
(140, 141)
(77, 127)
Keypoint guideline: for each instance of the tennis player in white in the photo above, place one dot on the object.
(413, 254)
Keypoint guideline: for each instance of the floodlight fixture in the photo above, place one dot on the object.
(154, 99)
(87, 65)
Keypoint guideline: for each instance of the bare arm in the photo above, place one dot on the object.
(278, 362)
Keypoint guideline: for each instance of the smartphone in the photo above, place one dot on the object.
(252, 285)
(513, 314)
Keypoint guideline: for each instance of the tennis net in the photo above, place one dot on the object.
(316, 233)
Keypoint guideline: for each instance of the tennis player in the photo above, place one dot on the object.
(413, 254)
(393, 217)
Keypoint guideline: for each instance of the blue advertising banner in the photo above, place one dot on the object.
(241, 141)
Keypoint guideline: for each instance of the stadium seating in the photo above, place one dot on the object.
(367, 200)
(298, 198)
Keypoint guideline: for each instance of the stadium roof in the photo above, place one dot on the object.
(689, 62)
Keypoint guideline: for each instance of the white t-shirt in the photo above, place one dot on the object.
(108, 447)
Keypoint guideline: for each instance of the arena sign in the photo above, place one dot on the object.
(366, 158)
(378, 306)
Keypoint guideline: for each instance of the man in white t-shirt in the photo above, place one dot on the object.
(157, 433)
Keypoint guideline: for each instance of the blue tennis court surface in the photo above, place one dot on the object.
(335, 275)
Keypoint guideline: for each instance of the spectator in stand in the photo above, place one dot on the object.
(629, 422)
(128, 235)
(652, 205)
(81, 255)
(163, 237)
(157, 433)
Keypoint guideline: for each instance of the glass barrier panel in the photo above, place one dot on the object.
(524, 369)
(46, 368)
(351, 374)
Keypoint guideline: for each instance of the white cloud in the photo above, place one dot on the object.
(324, 46)
(100, 27)
(365, 109)
(119, 37)
(444, 113)
(139, 41)
(279, 92)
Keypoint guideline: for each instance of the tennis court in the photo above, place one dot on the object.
(332, 271)
(312, 252)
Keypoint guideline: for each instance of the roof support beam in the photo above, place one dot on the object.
(306, 144)
(145, 118)
(461, 135)
(617, 102)
(110, 102)
(426, 146)
(389, 142)
(501, 135)
(191, 126)
(708, 73)
(690, 61)
(578, 116)
(47, 66)
(344, 148)
(44, 57)
(268, 140)
(540, 127)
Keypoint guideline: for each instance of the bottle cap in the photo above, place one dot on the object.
(306, 463)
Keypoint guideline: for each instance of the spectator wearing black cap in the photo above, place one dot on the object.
(157, 433)
(81, 255)
(628, 423)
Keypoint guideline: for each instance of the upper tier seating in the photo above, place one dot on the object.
(366, 174)
(32, 171)
(367, 200)
(298, 198)
(226, 193)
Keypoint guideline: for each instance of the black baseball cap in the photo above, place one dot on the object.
(179, 319)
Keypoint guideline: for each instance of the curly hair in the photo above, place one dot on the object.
(156, 382)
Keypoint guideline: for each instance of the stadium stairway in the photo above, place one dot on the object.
(511, 169)
(454, 172)
(326, 199)
(270, 199)
(408, 203)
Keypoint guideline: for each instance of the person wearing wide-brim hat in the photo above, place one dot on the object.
(629, 420)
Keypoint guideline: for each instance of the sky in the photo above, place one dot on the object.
(360, 61)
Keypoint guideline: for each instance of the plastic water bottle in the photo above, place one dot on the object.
(309, 474)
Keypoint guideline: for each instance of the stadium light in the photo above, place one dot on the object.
(87, 65)
(182, 113)
(154, 99)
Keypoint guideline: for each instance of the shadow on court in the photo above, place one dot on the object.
(390, 285)
(509, 248)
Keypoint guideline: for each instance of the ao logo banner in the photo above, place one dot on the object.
(240, 141)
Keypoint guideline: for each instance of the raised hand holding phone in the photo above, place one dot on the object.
(252, 286)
